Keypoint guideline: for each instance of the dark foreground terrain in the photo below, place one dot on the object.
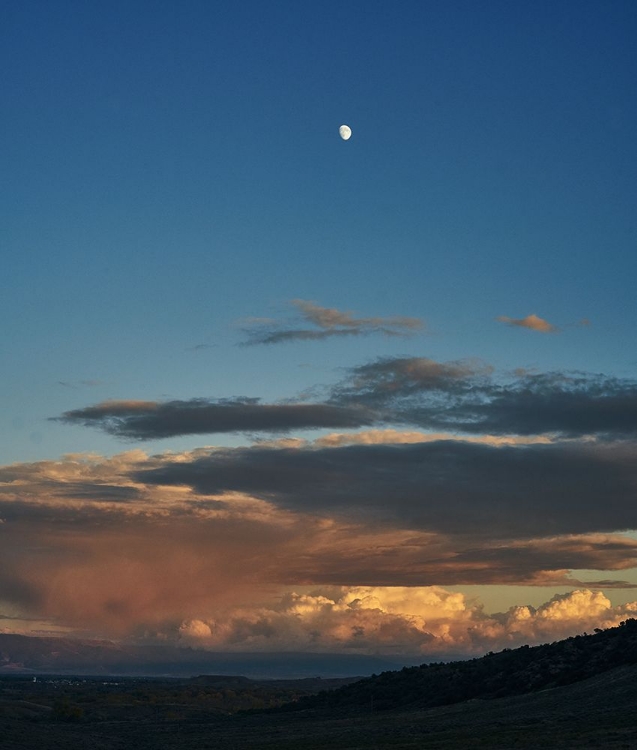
(572, 694)
(600, 712)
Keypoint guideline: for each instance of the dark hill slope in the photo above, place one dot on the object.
(507, 673)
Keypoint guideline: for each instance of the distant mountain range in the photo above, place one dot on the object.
(20, 654)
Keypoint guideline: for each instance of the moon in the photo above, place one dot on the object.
(345, 132)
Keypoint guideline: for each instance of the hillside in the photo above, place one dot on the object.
(170, 715)
(507, 673)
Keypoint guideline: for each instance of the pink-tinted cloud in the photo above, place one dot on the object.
(86, 545)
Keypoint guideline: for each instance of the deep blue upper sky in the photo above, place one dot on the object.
(170, 168)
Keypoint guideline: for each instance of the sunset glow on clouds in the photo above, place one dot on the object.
(329, 322)
(156, 544)
(258, 388)
(428, 621)
(533, 322)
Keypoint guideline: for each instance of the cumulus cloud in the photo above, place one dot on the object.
(150, 420)
(532, 322)
(328, 323)
(421, 620)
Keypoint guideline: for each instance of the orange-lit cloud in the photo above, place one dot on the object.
(398, 437)
(328, 322)
(532, 322)
(87, 545)
(425, 620)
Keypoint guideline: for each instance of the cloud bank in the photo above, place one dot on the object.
(428, 621)
(446, 486)
(427, 475)
(137, 543)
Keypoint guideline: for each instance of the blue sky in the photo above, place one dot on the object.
(172, 174)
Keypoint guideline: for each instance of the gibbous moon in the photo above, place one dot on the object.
(345, 132)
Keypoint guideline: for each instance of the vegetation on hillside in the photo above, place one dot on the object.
(509, 672)
(53, 712)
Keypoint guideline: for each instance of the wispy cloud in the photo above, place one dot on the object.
(200, 347)
(329, 323)
(79, 383)
(532, 322)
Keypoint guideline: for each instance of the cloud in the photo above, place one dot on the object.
(462, 396)
(398, 377)
(329, 318)
(200, 347)
(446, 486)
(280, 337)
(329, 323)
(150, 420)
(389, 436)
(171, 553)
(532, 322)
(467, 396)
(87, 561)
(419, 620)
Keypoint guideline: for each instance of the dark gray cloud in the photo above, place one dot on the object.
(329, 322)
(146, 420)
(570, 406)
(465, 396)
(389, 380)
(467, 560)
(448, 486)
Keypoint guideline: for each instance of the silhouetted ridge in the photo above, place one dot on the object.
(509, 672)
